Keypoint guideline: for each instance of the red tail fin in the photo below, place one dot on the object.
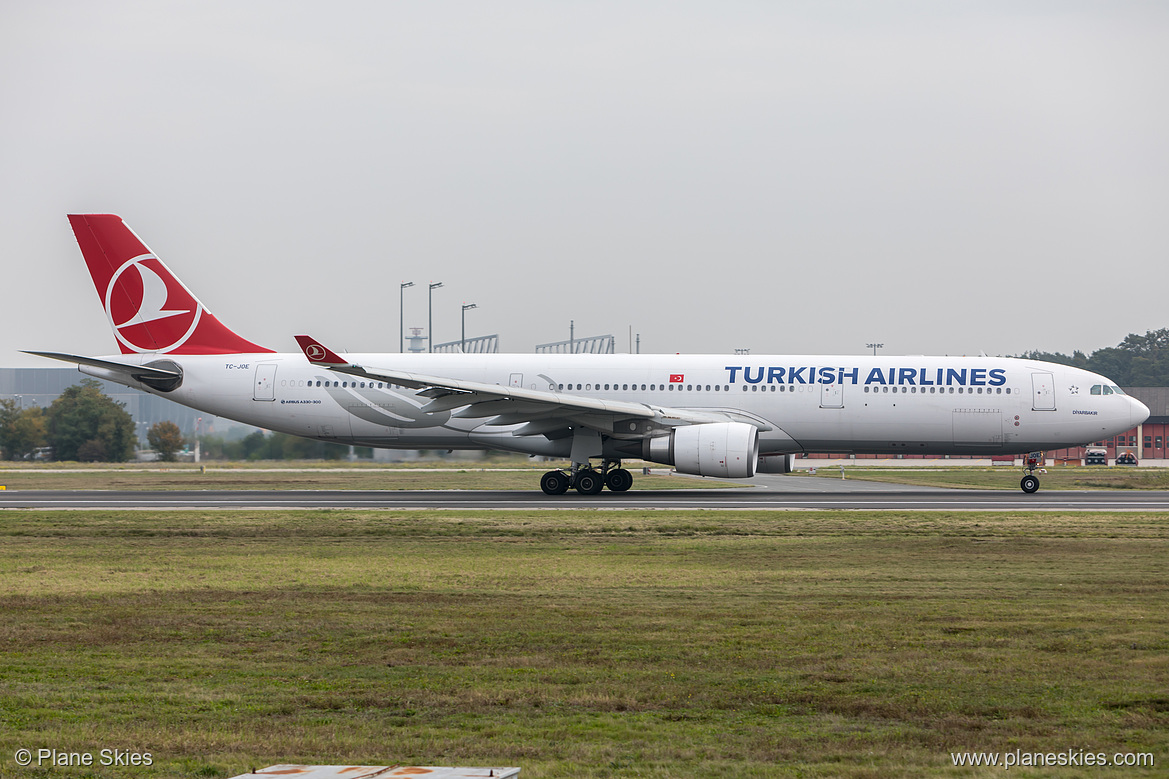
(149, 309)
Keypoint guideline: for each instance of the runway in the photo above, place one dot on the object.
(773, 493)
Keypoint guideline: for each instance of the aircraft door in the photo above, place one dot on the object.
(831, 396)
(1042, 392)
(265, 387)
(517, 380)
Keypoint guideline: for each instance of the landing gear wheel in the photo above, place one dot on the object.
(1029, 484)
(618, 480)
(589, 482)
(554, 483)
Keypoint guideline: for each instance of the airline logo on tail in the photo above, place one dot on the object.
(149, 309)
(139, 298)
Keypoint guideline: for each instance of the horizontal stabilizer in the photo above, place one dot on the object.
(134, 371)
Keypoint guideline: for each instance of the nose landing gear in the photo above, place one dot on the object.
(1030, 482)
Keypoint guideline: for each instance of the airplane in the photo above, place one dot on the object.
(706, 415)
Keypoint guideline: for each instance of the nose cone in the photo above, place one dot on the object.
(1138, 412)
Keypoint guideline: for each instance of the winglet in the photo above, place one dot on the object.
(317, 353)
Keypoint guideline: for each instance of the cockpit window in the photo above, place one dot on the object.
(1096, 389)
(1107, 390)
(1118, 390)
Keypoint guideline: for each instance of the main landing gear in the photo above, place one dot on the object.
(1030, 482)
(587, 480)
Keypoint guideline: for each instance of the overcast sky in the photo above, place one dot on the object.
(944, 178)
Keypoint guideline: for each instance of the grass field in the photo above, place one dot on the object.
(1005, 478)
(584, 643)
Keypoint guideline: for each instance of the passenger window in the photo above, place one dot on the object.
(671, 388)
(689, 387)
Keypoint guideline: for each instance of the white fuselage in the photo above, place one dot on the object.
(826, 403)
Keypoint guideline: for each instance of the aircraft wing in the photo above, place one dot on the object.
(136, 372)
(541, 412)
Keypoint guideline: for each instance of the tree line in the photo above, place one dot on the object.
(1137, 361)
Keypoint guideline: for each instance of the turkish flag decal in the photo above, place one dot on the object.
(677, 378)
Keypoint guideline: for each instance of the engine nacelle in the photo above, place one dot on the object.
(726, 449)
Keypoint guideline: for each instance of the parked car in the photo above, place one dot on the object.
(1096, 457)
(1128, 458)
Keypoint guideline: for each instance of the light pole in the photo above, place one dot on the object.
(430, 316)
(875, 347)
(463, 341)
(402, 314)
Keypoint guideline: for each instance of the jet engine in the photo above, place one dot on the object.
(726, 449)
